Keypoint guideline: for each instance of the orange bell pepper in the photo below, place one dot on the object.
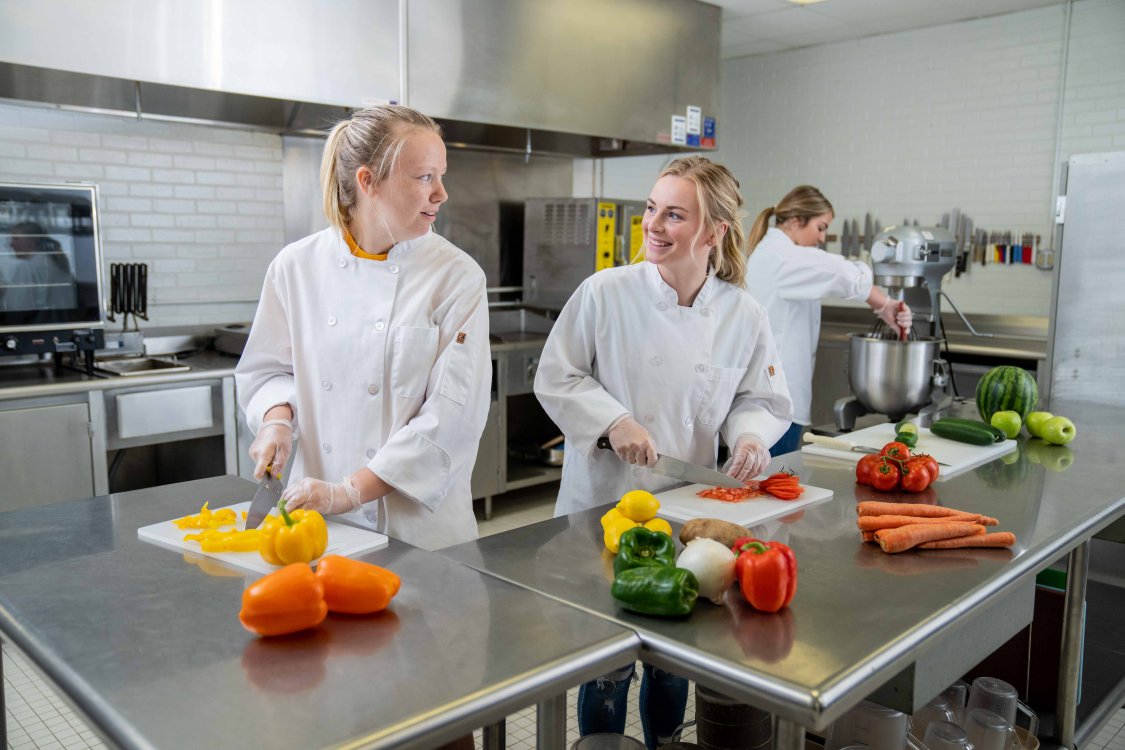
(285, 601)
(356, 587)
(300, 536)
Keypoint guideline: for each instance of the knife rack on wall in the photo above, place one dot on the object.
(128, 293)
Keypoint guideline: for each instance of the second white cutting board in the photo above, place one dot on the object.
(957, 457)
(683, 504)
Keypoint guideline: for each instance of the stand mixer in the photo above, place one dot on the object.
(895, 377)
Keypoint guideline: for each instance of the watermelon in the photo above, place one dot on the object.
(1006, 388)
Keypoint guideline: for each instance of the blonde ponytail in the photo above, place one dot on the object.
(758, 231)
(802, 203)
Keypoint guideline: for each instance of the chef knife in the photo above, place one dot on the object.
(844, 445)
(267, 496)
(684, 471)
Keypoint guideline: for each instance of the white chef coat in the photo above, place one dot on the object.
(622, 345)
(387, 365)
(790, 281)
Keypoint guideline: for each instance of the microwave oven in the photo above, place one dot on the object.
(50, 270)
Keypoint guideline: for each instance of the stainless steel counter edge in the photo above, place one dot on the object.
(208, 367)
(518, 694)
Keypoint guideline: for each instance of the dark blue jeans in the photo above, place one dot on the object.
(603, 704)
(789, 442)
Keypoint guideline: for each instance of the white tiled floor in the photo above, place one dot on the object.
(38, 719)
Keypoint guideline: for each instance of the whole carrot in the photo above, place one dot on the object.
(995, 539)
(906, 537)
(869, 536)
(874, 523)
(875, 508)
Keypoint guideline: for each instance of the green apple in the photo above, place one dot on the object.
(1056, 457)
(1008, 422)
(1057, 431)
(1035, 421)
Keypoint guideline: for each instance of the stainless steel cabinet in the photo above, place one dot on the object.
(48, 453)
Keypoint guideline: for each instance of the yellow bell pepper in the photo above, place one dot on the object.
(300, 536)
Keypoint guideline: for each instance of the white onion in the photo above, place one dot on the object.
(713, 566)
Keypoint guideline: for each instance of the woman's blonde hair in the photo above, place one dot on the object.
(802, 203)
(716, 189)
(371, 137)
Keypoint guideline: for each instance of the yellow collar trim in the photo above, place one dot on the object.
(358, 251)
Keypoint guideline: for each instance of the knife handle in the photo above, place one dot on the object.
(829, 442)
(603, 442)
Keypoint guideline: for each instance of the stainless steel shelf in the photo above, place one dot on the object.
(522, 474)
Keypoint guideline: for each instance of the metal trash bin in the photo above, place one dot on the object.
(607, 741)
(722, 723)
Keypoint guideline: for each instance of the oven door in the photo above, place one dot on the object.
(50, 258)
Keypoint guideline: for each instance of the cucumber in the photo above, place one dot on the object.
(962, 433)
(909, 439)
(902, 427)
(998, 435)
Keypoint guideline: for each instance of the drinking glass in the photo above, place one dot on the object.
(869, 724)
(988, 730)
(1000, 698)
(957, 695)
(944, 735)
(938, 709)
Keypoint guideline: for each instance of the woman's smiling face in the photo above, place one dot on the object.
(673, 222)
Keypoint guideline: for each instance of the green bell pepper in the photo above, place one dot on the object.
(656, 590)
(641, 547)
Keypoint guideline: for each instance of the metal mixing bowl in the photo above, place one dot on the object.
(892, 377)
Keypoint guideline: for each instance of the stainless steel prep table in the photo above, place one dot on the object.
(148, 647)
(862, 622)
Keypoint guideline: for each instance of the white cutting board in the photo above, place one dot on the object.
(683, 504)
(343, 540)
(959, 456)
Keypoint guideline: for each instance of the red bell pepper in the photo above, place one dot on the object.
(766, 573)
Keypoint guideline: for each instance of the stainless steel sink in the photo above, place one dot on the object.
(139, 366)
(520, 324)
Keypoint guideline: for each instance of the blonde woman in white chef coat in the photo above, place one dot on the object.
(663, 356)
(790, 275)
(370, 343)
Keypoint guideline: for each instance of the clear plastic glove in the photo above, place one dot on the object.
(898, 315)
(272, 446)
(632, 443)
(327, 498)
(749, 458)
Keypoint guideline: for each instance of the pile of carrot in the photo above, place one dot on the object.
(897, 527)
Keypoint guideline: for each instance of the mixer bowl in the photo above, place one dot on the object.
(891, 377)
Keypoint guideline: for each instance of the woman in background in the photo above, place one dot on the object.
(789, 275)
(662, 356)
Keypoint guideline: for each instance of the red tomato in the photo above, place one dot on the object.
(915, 475)
(886, 476)
(931, 464)
(896, 450)
(865, 469)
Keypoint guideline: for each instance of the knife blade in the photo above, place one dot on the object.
(266, 498)
(684, 471)
(845, 445)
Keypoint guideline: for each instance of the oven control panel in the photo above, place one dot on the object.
(52, 342)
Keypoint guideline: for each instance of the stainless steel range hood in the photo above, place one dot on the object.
(581, 78)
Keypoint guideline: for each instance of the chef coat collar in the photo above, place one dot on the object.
(667, 293)
(396, 251)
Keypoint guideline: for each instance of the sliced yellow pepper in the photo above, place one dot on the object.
(214, 540)
(300, 536)
(207, 519)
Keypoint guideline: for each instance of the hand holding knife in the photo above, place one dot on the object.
(684, 471)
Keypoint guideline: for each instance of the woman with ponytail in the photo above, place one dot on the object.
(788, 274)
(371, 342)
(662, 356)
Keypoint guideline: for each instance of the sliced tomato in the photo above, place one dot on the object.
(731, 494)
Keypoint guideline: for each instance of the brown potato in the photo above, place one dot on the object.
(723, 532)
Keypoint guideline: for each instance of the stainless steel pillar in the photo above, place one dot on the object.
(1074, 625)
(550, 723)
(790, 735)
(493, 736)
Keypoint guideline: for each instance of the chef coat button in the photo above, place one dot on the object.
(373, 389)
(392, 268)
(327, 448)
(662, 306)
(687, 422)
(326, 385)
(342, 262)
(701, 368)
(648, 418)
(380, 325)
(371, 453)
(658, 361)
(331, 320)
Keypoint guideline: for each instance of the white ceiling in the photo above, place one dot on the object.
(752, 27)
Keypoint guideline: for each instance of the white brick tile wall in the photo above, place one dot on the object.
(201, 205)
(911, 125)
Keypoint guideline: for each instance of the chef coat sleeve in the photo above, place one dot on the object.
(264, 374)
(762, 404)
(565, 383)
(812, 273)
(424, 458)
